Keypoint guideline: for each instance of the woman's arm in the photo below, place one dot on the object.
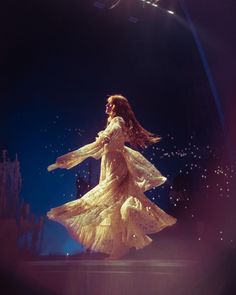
(94, 149)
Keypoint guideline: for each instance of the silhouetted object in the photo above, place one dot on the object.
(10, 186)
(37, 236)
(19, 233)
(181, 189)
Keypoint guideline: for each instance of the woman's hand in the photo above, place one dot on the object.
(64, 161)
(52, 167)
(106, 140)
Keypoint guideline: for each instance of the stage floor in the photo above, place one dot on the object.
(168, 266)
(86, 276)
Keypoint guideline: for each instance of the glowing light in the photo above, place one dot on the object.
(154, 4)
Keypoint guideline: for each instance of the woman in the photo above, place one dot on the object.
(115, 215)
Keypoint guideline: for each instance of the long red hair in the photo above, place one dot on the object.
(139, 137)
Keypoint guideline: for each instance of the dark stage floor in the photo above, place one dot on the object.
(173, 264)
(165, 267)
(114, 277)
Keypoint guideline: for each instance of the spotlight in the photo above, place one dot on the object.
(154, 4)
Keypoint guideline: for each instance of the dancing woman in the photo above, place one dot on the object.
(115, 215)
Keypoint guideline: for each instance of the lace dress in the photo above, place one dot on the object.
(115, 215)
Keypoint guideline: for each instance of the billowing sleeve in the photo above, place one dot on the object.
(144, 173)
(96, 149)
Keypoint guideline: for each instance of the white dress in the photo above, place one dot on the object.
(115, 215)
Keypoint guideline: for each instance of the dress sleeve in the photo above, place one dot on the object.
(143, 172)
(113, 130)
(95, 149)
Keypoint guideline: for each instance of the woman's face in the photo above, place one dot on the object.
(109, 106)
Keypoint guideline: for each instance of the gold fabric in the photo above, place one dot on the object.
(115, 215)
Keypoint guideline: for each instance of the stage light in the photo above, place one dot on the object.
(154, 4)
(117, 2)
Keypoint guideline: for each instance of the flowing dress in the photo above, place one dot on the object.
(115, 215)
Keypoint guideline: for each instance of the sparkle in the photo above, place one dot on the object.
(189, 167)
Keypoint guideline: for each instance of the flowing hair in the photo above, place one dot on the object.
(139, 137)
